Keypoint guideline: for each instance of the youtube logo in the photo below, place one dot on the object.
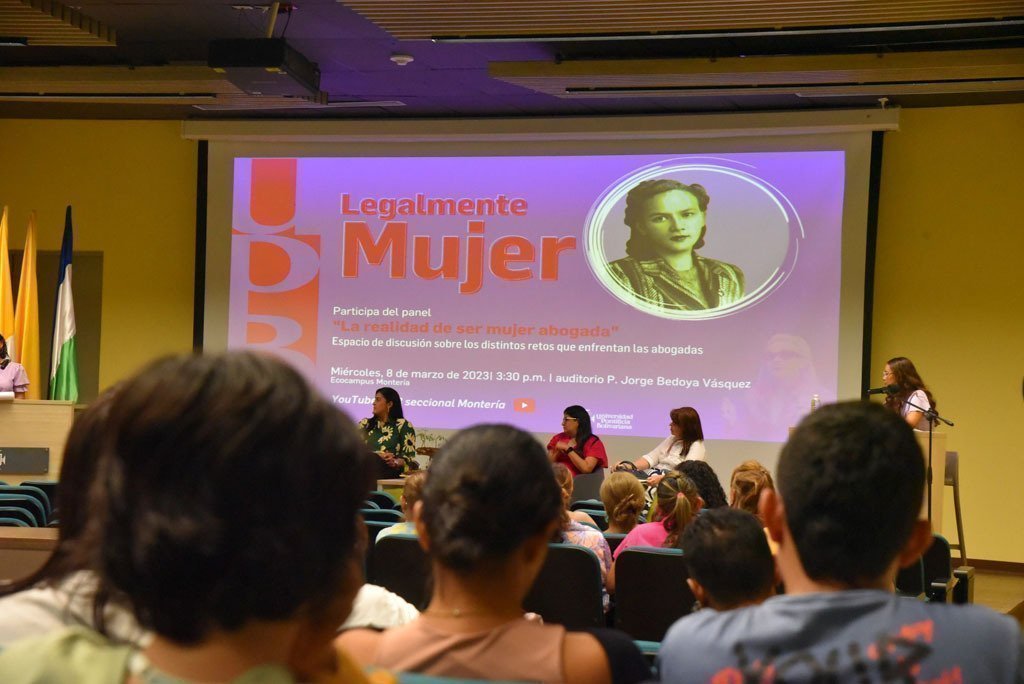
(525, 405)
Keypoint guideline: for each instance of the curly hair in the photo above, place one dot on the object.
(704, 476)
(745, 486)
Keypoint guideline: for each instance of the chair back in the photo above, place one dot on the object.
(645, 572)
(384, 500)
(910, 580)
(49, 488)
(952, 469)
(381, 515)
(19, 513)
(28, 502)
(587, 504)
(588, 486)
(34, 492)
(614, 539)
(399, 564)
(600, 517)
(938, 561)
(13, 522)
(568, 589)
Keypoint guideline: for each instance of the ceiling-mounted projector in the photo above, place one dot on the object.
(265, 66)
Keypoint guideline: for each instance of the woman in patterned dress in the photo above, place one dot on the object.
(390, 435)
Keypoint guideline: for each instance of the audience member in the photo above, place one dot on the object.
(676, 504)
(728, 559)
(748, 480)
(488, 510)
(225, 514)
(575, 531)
(623, 499)
(412, 489)
(845, 515)
(63, 592)
(708, 484)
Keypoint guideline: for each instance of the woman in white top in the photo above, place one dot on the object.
(912, 399)
(686, 443)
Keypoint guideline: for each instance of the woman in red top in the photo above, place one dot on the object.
(576, 445)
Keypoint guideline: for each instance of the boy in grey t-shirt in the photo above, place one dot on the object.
(845, 516)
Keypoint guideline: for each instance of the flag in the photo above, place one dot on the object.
(26, 315)
(6, 294)
(64, 359)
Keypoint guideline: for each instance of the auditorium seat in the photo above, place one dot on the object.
(49, 488)
(35, 493)
(614, 539)
(399, 564)
(568, 589)
(13, 522)
(20, 514)
(27, 502)
(588, 485)
(384, 500)
(587, 504)
(381, 515)
(650, 591)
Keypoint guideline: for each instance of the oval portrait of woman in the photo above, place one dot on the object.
(690, 241)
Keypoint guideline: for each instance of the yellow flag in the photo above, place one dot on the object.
(6, 294)
(26, 316)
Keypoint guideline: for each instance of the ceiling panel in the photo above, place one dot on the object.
(46, 22)
(424, 19)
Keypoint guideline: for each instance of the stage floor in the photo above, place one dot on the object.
(1000, 591)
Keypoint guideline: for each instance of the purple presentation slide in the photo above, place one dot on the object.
(503, 289)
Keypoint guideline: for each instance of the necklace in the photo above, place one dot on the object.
(454, 612)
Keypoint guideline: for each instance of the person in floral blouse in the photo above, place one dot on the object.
(390, 435)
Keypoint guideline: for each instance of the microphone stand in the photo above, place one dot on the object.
(932, 415)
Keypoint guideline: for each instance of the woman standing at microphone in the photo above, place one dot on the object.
(912, 397)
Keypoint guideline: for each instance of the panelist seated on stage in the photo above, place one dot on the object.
(13, 377)
(576, 446)
(912, 398)
(685, 443)
(390, 435)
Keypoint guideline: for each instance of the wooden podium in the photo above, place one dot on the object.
(30, 423)
(938, 476)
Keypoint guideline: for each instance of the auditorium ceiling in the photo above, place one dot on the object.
(489, 58)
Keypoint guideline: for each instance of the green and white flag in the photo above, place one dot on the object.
(64, 359)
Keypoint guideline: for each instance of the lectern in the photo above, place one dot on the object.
(27, 428)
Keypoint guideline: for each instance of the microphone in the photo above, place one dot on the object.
(888, 389)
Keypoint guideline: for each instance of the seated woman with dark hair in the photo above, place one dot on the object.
(708, 485)
(488, 510)
(225, 515)
(676, 503)
(62, 592)
(390, 435)
(576, 446)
